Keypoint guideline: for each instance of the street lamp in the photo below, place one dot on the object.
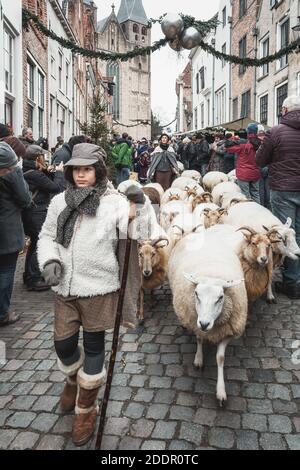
(296, 34)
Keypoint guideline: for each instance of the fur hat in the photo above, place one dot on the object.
(4, 131)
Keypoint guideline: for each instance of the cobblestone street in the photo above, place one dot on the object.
(158, 400)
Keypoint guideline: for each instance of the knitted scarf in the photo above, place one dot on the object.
(79, 201)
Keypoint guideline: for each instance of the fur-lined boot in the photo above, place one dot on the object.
(69, 393)
(86, 406)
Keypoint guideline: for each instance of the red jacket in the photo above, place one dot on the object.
(246, 168)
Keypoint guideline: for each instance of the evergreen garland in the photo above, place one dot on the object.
(204, 27)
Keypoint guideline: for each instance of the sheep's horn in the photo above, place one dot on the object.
(180, 228)
(196, 228)
(160, 240)
(249, 229)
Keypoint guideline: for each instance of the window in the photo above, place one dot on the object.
(60, 65)
(283, 41)
(242, 53)
(135, 28)
(30, 81)
(265, 48)
(224, 17)
(144, 31)
(202, 78)
(281, 95)
(220, 106)
(263, 109)
(197, 84)
(208, 112)
(202, 115)
(30, 116)
(136, 37)
(245, 108)
(223, 52)
(51, 106)
(52, 67)
(242, 8)
(195, 119)
(41, 103)
(8, 61)
(235, 109)
(67, 77)
(8, 112)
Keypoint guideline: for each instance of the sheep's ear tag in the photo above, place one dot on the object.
(191, 278)
(288, 222)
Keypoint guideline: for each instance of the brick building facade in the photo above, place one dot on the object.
(35, 72)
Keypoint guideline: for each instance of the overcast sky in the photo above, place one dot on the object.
(166, 64)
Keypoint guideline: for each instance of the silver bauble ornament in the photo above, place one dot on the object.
(172, 25)
(175, 44)
(190, 38)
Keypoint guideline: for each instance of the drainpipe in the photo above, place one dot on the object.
(255, 35)
(213, 43)
(73, 93)
(230, 72)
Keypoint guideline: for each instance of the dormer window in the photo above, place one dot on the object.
(135, 28)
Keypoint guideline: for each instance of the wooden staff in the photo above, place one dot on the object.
(115, 339)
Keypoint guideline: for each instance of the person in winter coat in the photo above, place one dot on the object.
(144, 163)
(280, 152)
(122, 155)
(14, 196)
(202, 150)
(217, 151)
(15, 143)
(64, 153)
(164, 165)
(229, 158)
(43, 185)
(80, 253)
(247, 172)
(27, 137)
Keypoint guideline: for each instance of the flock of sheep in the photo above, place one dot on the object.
(218, 252)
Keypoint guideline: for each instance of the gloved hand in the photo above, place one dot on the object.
(52, 273)
(135, 194)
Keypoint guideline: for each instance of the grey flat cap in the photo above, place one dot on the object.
(86, 155)
(33, 151)
(8, 158)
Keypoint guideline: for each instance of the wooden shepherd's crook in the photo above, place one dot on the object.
(114, 345)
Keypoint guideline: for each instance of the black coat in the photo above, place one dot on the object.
(14, 196)
(63, 154)
(46, 184)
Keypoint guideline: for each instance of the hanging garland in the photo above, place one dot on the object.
(181, 32)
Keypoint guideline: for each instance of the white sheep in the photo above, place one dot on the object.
(170, 210)
(197, 212)
(195, 175)
(221, 189)
(173, 194)
(212, 178)
(229, 199)
(209, 296)
(182, 182)
(181, 226)
(259, 218)
(232, 176)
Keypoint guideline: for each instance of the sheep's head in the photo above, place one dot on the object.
(258, 249)
(283, 239)
(200, 199)
(209, 299)
(174, 197)
(149, 255)
(212, 217)
(191, 190)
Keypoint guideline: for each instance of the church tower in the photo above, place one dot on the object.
(134, 23)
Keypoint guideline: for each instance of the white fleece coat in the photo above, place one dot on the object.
(90, 264)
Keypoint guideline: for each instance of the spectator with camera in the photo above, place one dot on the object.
(44, 182)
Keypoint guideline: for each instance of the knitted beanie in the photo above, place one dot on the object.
(252, 128)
